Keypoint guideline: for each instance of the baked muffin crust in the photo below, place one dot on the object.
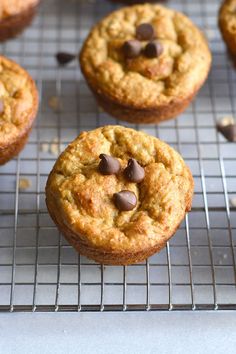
(15, 7)
(227, 23)
(20, 103)
(144, 83)
(15, 15)
(80, 198)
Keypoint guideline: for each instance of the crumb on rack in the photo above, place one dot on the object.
(55, 104)
(233, 201)
(44, 147)
(24, 183)
(53, 147)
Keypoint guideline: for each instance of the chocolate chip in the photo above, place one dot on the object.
(64, 58)
(134, 172)
(228, 131)
(131, 49)
(153, 49)
(1, 106)
(125, 200)
(108, 165)
(145, 32)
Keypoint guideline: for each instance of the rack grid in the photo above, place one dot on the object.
(39, 270)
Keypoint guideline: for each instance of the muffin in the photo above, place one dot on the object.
(118, 194)
(18, 108)
(227, 24)
(145, 63)
(15, 15)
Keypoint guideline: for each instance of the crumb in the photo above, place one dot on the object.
(55, 147)
(225, 256)
(44, 147)
(24, 183)
(52, 147)
(233, 201)
(55, 103)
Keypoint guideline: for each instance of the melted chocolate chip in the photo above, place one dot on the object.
(145, 32)
(134, 172)
(125, 200)
(108, 165)
(131, 49)
(153, 49)
(228, 131)
(1, 106)
(64, 58)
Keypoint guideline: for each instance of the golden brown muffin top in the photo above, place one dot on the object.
(14, 7)
(82, 198)
(176, 74)
(228, 16)
(18, 95)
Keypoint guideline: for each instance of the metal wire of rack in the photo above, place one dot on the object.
(39, 271)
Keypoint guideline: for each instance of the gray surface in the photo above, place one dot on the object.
(139, 333)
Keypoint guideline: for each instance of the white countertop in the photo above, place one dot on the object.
(156, 332)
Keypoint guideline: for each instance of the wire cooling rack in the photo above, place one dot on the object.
(39, 271)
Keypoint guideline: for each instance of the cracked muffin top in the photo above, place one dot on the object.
(18, 101)
(228, 11)
(82, 198)
(175, 74)
(227, 22)
(15, 7)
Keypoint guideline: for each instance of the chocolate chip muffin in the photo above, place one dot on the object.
(18, 108)
(145, 63)
(227, 24)
(118, 195)
(15, 15)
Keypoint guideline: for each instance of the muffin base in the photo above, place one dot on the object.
(14, 25)
(228, 37)
(229, 40)
(8, 152)
(142, 115)
(103, 257)
(12, 148)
